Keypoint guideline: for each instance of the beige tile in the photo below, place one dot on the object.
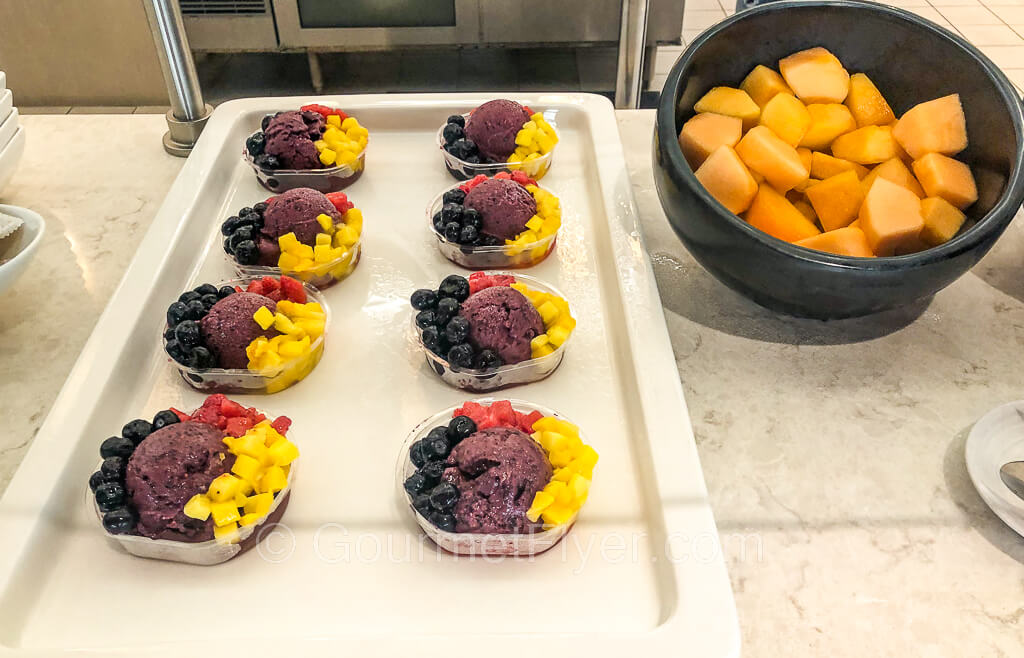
(701, 19)
(907, 4)
(703, 5)
(955, 3)
(44, 109)
(690, 35)
(970, 16)
(1012, 15)
(152, 109)
(1003, 3)
(666, 56)
(103, 109)
(1005, 56)
(991, 35)
(1016, 76)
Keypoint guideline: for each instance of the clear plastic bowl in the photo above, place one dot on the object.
(236, 380)
(330, 179)
(204, 553)
(462, 170)
(318, 281)
(467, 543)
(524, 372)
(498, 257)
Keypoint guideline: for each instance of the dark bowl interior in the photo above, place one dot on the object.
(910, 60)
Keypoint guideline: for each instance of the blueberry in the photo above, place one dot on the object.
(226, 291)
(415, 483)
(432, 471)
(266, 120)
(421, 503)
(119, 521)
(230, 224)
(228, 249)
(423, 299)
(209, 300)
(472, 159)
(472, 217)
(425, 319)
(455, 286)
(165, 418)
(175, 351)
(437, 447)
(455, 195)
(245, 211)
(201, 358)
(487, 360)
(196, 310)
(451, 212)
(452, 231)
(438, 222)
(430, 338)
(417, 454)
(188, 296)
(463, 148)
(117, 446)
(439, 431)
(457, 330)
(96, 479)
(113, 467)
(461, 428)
(443, 521)
(265, 161)
(444, 496)
(468, 235)
(109, 496)
(187, 333)
(457, 119)
(137, 430)
(452, 132)
(242, 234)
(169, 333)
(488, 240)
(246, 252)
(207, 289)
(176, 312)
(461, 356)
(259, 208)
(446, 309)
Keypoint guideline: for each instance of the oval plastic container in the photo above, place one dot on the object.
(524, 372)
(330, 179)
(466, 543)
(462, 170)
(236, 380)
(337, 269)
(498, 257)
(204, 553)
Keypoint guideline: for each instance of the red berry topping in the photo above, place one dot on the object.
(238, 289)
(528, 110)
(255, 287)
(293, 290)
(473, 182)
(521, 178)
(281, 424)
(231, 409)
(527, 421)
(274, 295)
(270, 284)
(340, 201)
(182, 416)
(499, 414)
(503, 175)
(238, 426)
(480, 280)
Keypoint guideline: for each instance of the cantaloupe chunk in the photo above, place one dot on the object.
(803, 186)
(763, 83)
(895, 171)
(836, 200)
(945, 177)
(704, 133)
(825, 166)
(854, 224)
(816, 76)
(866, 103)
(787, 117)
(941, 221)
(867, 145)
(845, 241)
(773, 214)
(805, 156)
(890, 218)
(937, 126)
(806, 209)
(732, 103)
(764, 152)
(726, 178)
(828, 121)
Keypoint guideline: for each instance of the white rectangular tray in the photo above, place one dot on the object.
(641, 573)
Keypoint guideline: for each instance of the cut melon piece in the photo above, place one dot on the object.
(867, 145)
(836, 200)
(866, 103)
(776, 216)
(732, 103)
(704, 133)
(945, 177)
(764, 152)
(827, 122)
(806, 155)
(937, 126)
(942, 221)
(806, 209)
(825, 166)
(726, 178)
(787, 117)
(763, 83)
(803, 186)
(846, 241)
(895, 171)
(816, 76)
(890, 218)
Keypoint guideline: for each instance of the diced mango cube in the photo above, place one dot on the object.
(816, 76)
(334, 120)
(541, 501)
(223, 488)
(198, 507)
(828, 121)
(247, 468)
(730, 102)
(945, 177)
(727, 179)
(259, 504)
(249, 519)
(224, 513)
(273, 480)
(557, 335)
(264, 317)
(557, 514)
(328, 157)
(763, 83)
(226, 534)
(283, 453)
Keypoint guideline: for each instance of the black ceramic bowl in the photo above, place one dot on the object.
(911, 60)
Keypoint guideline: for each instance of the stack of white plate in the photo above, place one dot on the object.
(12, 135)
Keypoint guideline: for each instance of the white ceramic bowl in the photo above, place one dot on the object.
(6, 103)
(8, 127)
(25, 246)
(10, 156)
(997, 438)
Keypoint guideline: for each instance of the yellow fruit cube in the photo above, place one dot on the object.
(333, 120)
(816, 76)
(249, 519)
(347, 158)
(327, 156)
(535, 223)
(828, 121)
(825, 166)
(224, 513)
(223, 488)
(727, 179)
(283, 324)
(867, 145)
(264, 317)
(937, 126)
(347, 236)
(288, 242)
(787, 117)
(764, 152)
(247, 468)
(557, 335)
(349, 122)
(579, 486)
(198, 507)
(226, 534)
(274, 479)
(867, 104)
(837, 200)
(259, 504)
(287, 262)
(557, 514)
(942, 221)
(283, 452)
(541, 501)
(730, 102)
(945, 177)
(763, 83)
(703, 133)
(538, 341)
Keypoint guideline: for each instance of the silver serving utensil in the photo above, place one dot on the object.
(1012, 475)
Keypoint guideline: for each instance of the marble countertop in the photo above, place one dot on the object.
(833, 451)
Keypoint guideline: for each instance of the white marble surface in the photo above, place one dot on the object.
(833, 451)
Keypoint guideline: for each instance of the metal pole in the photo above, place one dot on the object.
(188, 114)
(629, 74)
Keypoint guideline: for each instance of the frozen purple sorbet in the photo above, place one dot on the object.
(504, 320)
(290, 136)
(295, 211)
(493, 127)
(504, 206)
(229, 327)
(497, 472)
(169, 467)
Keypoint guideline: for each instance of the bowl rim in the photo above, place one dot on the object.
(30, 218)
(679, 169)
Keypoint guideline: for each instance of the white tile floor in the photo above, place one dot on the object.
(995, 26)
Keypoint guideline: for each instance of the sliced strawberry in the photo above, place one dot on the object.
(274, 295)
(340, 201)
(502, 280)
(231, 409)
(478, 281)
(270, 283)
(503, 175)
(238, 426)
(473, 182)
(293, 290)
(182, 416)
(255, 287)
(503, 413)
(281, 424)
(521, 178)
